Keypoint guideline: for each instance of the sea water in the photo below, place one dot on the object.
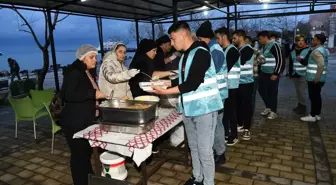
(29, 57)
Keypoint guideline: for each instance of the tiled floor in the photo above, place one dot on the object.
(284, 151)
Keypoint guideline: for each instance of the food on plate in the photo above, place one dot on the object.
(136, 106)
(125, 98)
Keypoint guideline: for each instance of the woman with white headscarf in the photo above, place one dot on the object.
(114, 76)
(80, 94)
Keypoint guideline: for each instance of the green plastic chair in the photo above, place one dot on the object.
(25, 110)
(54, 127)
(40, 97)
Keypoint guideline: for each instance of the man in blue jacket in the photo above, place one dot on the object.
(205, 34)
(200, 101)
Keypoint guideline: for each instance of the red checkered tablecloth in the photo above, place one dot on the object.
(100, 138)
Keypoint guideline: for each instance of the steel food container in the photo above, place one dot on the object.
(114, 111)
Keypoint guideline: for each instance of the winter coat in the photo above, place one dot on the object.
(80, 98)
(114, 76)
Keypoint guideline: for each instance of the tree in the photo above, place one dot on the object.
(145, 31)
(194, 25)
(304, 28)
(285, 24)
(251, 26)
(27, 26)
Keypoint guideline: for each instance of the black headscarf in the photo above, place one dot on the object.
(144, 46)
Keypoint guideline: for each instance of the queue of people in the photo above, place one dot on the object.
(217, 86)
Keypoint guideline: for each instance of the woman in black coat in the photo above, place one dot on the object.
(143, 60)
(80, 96)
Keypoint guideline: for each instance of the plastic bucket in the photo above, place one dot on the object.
(113, 166)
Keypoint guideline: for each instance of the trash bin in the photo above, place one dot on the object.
(113, 166)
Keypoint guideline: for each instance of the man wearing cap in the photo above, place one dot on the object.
(205, 34)
(164, 48)
(317, 67)
(200, 101)
(233, 67)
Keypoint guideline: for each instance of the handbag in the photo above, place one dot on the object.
(57, 104)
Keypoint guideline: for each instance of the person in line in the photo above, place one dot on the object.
(270, 73)
(144, 60)
(274, 37)
(162, 59)
(200, 101)
(317, 67)
(80, 93)
(14, 69)
(288, 48)
(258, 60)
(297, 73)
(206, 34)
(114, 76)
(233, 67)
(246, 83)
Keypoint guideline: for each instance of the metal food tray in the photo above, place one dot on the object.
(125, 128)
(110, 111)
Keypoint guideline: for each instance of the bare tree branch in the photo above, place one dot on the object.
(29, 26)
(63, 18)
(45, 26)
(25, 31)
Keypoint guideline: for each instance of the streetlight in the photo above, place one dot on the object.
(314, 31)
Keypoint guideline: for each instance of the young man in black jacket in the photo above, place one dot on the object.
(246, 83)
(200, 101)
(233, 67)
(270, 74)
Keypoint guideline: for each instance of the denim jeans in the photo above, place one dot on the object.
(200, 133)
(219, 142)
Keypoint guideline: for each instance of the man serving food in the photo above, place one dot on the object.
(200, 100)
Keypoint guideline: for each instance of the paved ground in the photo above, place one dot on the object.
(285, 151)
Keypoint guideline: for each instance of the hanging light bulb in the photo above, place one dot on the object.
(205, 12)
(83, 0)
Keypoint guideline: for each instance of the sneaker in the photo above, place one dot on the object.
(266, 112)
(220, 159)
(240, 128)
(318, 117)
(232, 142)
(192, 181)
(226, 139)
(272, 116)
(155, 150)
(308, 118)
(247, 135)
